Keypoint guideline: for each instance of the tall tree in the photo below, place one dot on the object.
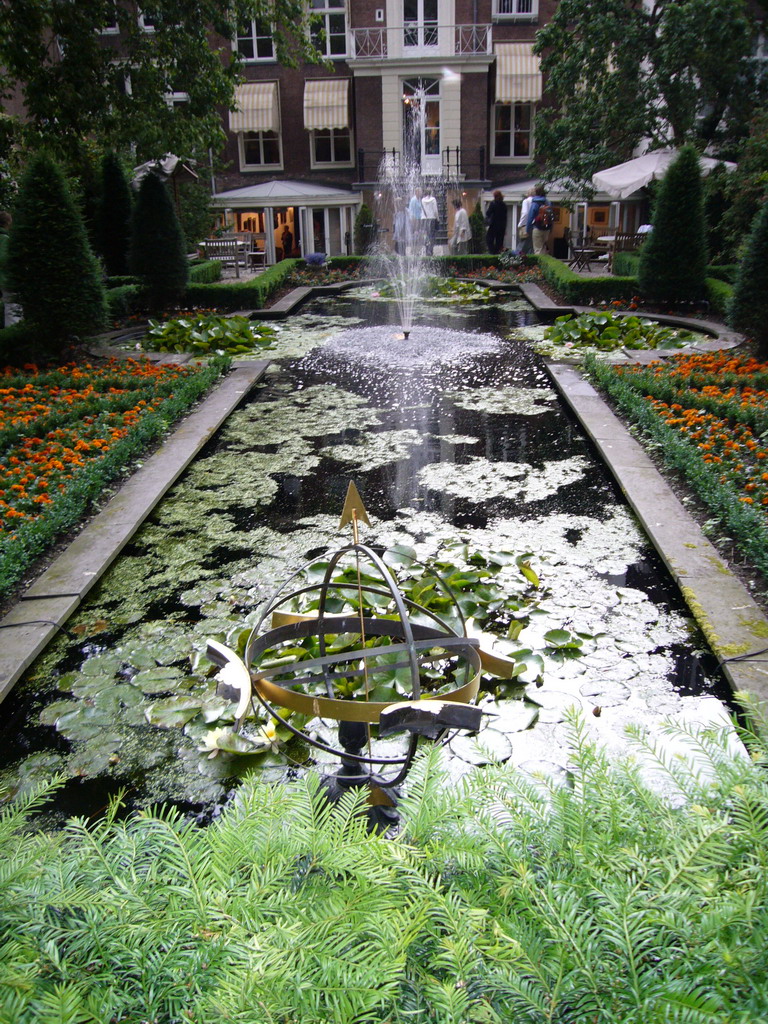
(670, 71)
(114, 216)
(105, 69)
(673, 262)
(157, 244)
(749, 305)
(55, 276)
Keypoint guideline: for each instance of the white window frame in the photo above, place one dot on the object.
(515, 10)
(114, 28)
(512, 159)
(143, 24)
(176, 99)
(331, 163)
(331, 7)
(262, 166)
(254, 35)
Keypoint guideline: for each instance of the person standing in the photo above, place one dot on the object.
(429, 208)
(540, 220)
(461, 230)
(496, 222)
(400, 227)
(416, 222)
(526, 244)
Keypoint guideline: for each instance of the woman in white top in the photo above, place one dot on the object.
(461, 230)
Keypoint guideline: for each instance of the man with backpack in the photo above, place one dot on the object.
(540, 220)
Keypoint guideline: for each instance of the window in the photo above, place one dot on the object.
(176, 99)
(109, 26)
(260, 149)
(524, 10)
(329, 27)
(146, 22)
(254, 41)
(420, 23)
(512, 130)
(331, 146)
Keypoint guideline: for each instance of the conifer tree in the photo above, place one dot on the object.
(114, 217)
(364, 229)
(54, 274)
(748, 310)
(157, 245)
(673, 261)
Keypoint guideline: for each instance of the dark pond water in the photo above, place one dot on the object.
(463, 447)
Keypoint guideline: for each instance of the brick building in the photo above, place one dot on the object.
(305, 144)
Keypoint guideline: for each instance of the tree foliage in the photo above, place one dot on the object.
(157, 244)
(79, 82)
(671, 71)
(673, 261)
(113, 231)
(749, 305)
(505, 897)
(54, 274)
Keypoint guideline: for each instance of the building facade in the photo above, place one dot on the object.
(453, 84)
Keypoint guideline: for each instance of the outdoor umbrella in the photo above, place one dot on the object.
(622, 180)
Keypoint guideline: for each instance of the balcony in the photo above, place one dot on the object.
(380, 43)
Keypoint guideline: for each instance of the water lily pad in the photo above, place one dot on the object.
(512, 715)
(553, 703)
(488, 747)
(173, 712)
(53, 712)
(606, 693)
(158, 679)
(101, 665)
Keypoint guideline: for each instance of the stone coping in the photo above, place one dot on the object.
(46, 605)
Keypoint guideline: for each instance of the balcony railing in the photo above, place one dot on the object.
(371, 43)
(457, 164)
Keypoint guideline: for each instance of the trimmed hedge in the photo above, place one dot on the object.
(626, 264)
(18, 341)
(205, 272)
(127, 299)
(251, 294)
(718, 295)
(585, 291)
(725, 272)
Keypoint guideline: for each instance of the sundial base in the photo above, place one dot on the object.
(382, 799)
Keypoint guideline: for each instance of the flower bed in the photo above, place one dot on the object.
(66, 432)
(708, 413)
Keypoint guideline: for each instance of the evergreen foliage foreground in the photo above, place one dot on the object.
(509, 899)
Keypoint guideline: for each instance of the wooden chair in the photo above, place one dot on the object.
(228, 250)
(581, 254)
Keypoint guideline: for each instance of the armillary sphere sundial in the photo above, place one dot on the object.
(329, 663)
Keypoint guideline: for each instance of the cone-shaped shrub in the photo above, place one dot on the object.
(364, 229)
(114, 217)
(673, 261)
(477, 227)
(748, 310)
(54, 274)
(157, 245)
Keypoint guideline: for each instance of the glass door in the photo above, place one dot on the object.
(419, 25)
(421, 123)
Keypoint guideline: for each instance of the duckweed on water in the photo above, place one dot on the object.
(480, 480)
(503, 401)
(372, 451)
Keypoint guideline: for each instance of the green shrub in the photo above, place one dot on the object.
(54, 274)
(253, 294)
(609, 331)
(18, 342)
(204, 335)
(125, 300)
(113, 218)
(205, 272)
(158, 254)
(585, 291)
(503, 897)
(723, 272)
(748, 309)
(626, 264)
(477, 227)
(673, 260)
(352, 263)
(718, 295)
(364, 230)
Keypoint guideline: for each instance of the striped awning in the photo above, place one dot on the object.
(326, 104)
(257, 108)
(518, 73)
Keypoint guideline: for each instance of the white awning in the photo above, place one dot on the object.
(326, 104)
(257, 108)
(518, 73)
(622, 180)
